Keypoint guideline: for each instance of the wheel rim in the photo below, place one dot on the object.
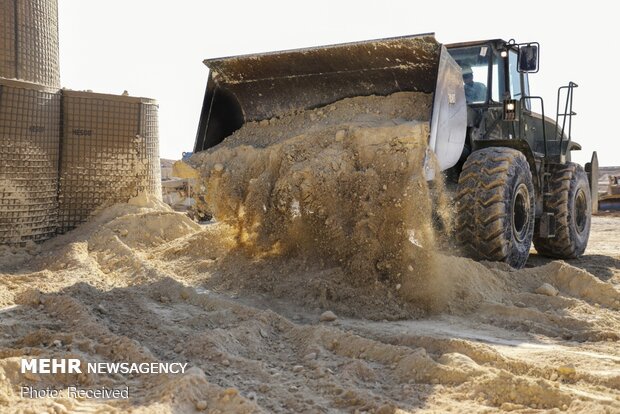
(581, 211)
(521, 212)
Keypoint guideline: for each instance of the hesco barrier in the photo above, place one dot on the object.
(29, 41)
(29, 146)
(110, 153)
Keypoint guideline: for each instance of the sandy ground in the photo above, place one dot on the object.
(317, 211)
(142, 283)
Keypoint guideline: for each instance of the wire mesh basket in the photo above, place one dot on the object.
(29, 41)
(110, 153)
(29, 154)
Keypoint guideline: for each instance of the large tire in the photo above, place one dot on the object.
(570, 202)
(495, 206)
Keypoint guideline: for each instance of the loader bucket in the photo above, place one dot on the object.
(254, 87)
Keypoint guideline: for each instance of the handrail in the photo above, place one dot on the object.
(568, 112)
(542, 108)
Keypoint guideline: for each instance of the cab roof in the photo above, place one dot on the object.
(475, 43)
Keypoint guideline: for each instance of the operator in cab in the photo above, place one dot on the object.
(474, 91)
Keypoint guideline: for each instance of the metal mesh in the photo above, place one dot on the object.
(29, 146)
(150, 132)
(110, 153)
(29, 41)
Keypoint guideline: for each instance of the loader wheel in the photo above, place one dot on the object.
(495, 206)
(570, 203)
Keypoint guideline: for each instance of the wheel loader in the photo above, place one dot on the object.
(509, 163)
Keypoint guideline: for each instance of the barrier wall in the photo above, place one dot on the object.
(29, 155)
(109, 154)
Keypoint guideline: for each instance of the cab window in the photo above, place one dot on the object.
(526, 92)
(498, 76)
(474, 63)
(515, 76)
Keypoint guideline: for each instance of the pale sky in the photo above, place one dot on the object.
(155, 48)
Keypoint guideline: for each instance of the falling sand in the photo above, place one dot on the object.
(342, 187)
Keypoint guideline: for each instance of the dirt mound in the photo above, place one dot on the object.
(102, 294)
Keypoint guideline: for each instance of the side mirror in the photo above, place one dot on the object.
(528, 58)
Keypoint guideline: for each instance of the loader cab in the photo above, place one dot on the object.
(509, 113)
(493, 67)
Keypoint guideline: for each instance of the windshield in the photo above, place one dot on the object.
(474, 62)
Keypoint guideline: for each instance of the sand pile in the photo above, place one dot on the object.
(342, 185)
(142, 283)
